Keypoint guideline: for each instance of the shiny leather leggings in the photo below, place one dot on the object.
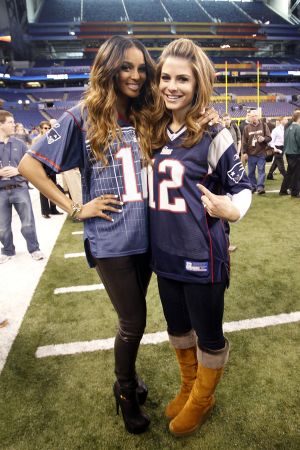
(126, 281)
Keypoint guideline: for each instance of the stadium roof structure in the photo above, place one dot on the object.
(67, 29)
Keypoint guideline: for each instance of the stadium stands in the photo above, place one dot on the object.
(13, 96)
(150, 12)
(261, 13)
(103, 10)
(227, 12)
(74, 96)
(242, 91)
(58, 11)
(29, 119)
(281, 90)
(85, 23)
(188, 12)
(269, 109)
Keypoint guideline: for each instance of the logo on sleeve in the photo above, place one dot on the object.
(236, 172)
(52, 136)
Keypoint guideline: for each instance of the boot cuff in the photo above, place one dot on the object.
(184, 341)
(214, 359)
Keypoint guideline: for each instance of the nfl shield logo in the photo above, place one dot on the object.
(236, 172)
(52, 136)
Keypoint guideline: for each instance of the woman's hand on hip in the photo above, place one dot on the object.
(98, 207)
(219, 206)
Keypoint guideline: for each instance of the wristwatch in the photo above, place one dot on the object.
(76, 208)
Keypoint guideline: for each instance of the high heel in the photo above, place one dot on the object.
(141, 390)
(135, 420)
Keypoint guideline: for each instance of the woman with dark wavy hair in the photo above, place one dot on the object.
(193, 165)
(108, 137)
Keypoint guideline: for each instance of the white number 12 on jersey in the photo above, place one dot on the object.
(177, 171)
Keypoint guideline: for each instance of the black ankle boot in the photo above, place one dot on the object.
(135, 420)
(141, 390)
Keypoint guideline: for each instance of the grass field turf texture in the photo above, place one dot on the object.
(66, 402)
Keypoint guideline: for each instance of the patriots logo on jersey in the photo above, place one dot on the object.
(52, 136)
(166, 150)
(236, 172)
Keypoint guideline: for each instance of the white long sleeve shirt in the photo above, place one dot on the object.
(277, 136)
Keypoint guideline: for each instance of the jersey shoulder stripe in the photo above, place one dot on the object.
(219, 144)
(79, 115)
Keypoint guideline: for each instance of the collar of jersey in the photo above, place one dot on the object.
(174, 135)
(122, 121)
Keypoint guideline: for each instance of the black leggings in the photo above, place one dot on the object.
(126, 281)
(190, 306)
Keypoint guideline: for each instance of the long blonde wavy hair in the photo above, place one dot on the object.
(204, 74)
(100, 98)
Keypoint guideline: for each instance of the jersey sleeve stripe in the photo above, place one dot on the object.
(44, 158)
(218, 147)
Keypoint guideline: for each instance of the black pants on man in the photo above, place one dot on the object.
(278, 162)
(292, 179)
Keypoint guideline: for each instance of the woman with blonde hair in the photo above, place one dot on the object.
(193, 167)
(108, 137)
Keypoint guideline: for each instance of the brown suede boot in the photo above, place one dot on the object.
(201, 399)
(187, 359)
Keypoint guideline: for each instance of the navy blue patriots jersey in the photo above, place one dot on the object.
(65, 147)
(187, 244)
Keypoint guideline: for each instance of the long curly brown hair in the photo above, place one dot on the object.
(100, 98)
(204, 74)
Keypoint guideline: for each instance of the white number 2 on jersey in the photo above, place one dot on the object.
(176, 174)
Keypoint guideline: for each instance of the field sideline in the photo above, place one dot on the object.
(65, 402)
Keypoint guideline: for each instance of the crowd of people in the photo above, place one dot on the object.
(258, 140)
(138, 121)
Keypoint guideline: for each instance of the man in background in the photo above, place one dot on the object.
(234, 130)
(292, 151)
(255, 137)
(245, 122)
(47, 208)
(71, 179)
(14, 192)
(277, 142)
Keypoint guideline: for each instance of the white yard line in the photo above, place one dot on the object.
(20, 276)
(156, 338)
(90, 287)
(77, 232)
(74, 255)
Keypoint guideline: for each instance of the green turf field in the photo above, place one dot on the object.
(66, 402)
